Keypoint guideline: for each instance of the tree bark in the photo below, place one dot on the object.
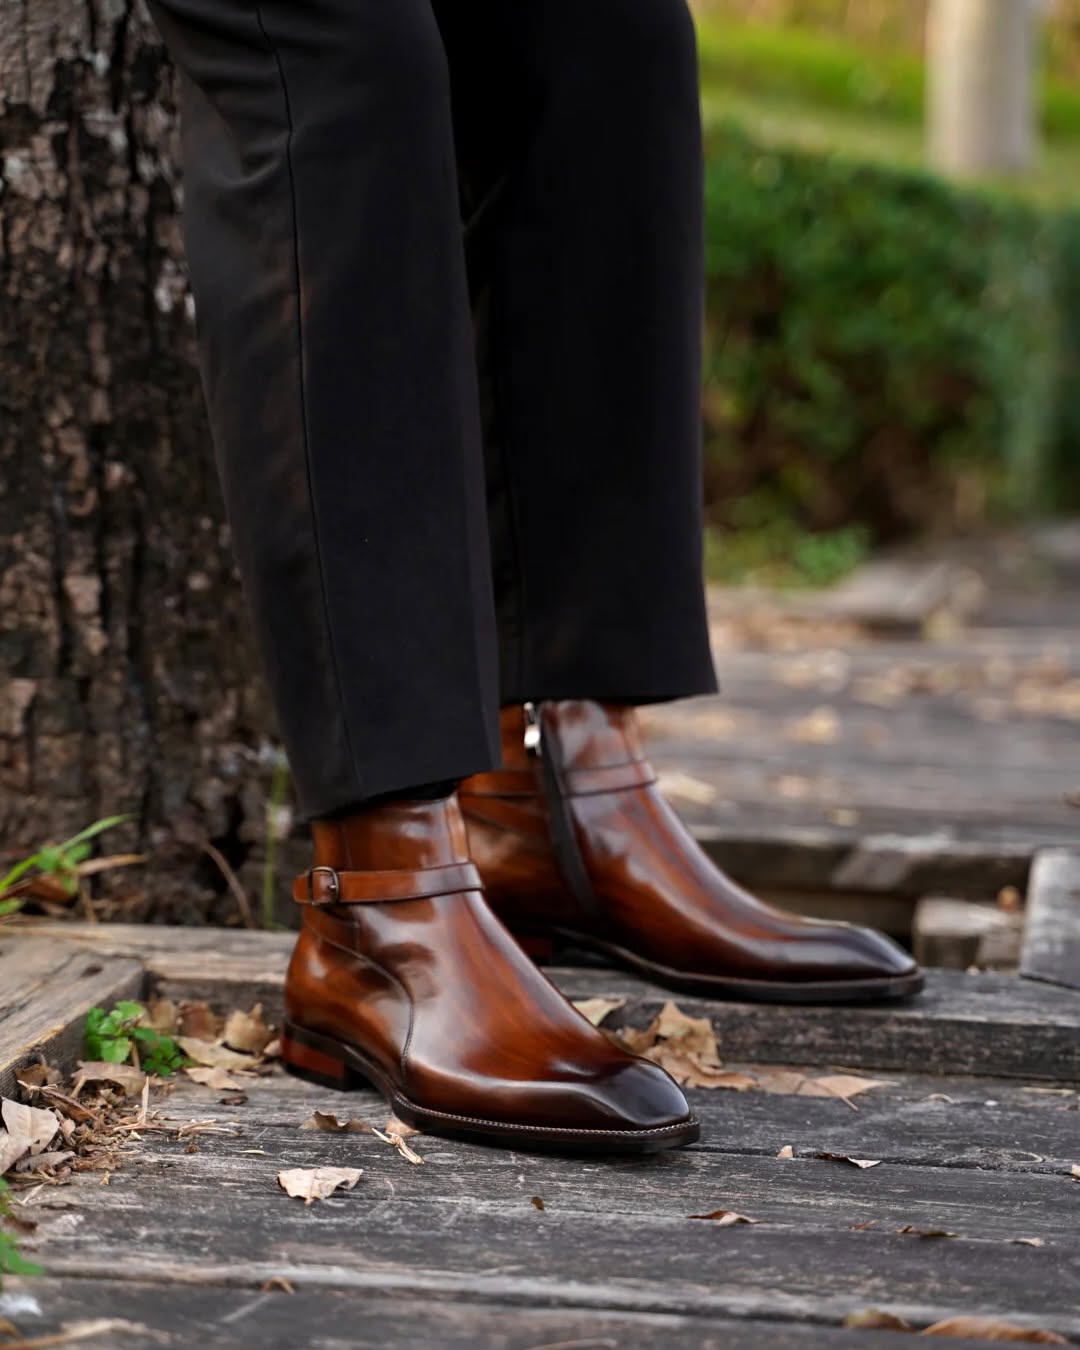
(127, 676)
(981, 95)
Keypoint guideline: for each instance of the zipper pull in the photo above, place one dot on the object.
(532, 731)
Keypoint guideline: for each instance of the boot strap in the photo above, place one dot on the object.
(328, 886)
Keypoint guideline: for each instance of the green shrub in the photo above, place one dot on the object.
(882, 347)
(1066, 463)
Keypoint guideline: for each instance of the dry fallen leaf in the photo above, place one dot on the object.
(162, 1015)
(596, 1009)
(537, 1201)
(686, 1047)
(786, 1152)
(30, 1129)
(726, 1218)
(843, 1085)
(875, 1319)
(36, 1076)
(280, 1283)
(792, 1083)
(125, 1076)
(689, 1073)
(926, 1232)
(843, 1158)
(11, 1150)
(67, 1106)
(43, 1161)
(219, 1079)
(316, 1183)
(247, 1031)
(213, 1054)
(992, 1329)
(1028, 1242)
(71, 1333)
(198, 1020)
(327, 1123)
(395, 1126)
(402, 1147)
(1074, 1171)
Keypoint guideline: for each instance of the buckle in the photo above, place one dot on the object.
(335, 885)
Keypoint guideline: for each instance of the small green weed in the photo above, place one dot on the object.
(12, 1262)
(60, 861)
(117, 1037)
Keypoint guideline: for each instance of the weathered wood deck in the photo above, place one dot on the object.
(976, 1134)
(875, 759)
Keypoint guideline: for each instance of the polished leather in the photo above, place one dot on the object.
(649, 896)
(434, 1001)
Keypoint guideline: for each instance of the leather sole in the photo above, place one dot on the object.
(544, 947)
(336, 1064)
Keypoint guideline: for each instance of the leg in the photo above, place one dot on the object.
(597, 280)
(327, 261)
(323, 239)
(593, 260)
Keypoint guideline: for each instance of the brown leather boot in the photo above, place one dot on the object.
(404, 978)
(576, 845)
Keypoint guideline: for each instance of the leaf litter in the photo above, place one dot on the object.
(395, 1133)
(726, 1218)
(687, 1048)
(316, 1183)
(967, 1327)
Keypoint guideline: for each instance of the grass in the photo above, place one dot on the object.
(782, 555)
(820, 92)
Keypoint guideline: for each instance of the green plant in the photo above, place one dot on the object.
(59, 861)
(12, 1262)
(882, 348)
(835, 70)
(119, 1036)
(782, 555)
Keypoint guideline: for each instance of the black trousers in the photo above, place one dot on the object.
(446, 258)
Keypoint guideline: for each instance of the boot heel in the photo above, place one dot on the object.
(317, 1059)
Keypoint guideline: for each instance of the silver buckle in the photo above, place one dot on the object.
(335, 885)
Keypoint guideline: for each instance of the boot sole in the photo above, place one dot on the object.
(544, 947)
(321, 1059)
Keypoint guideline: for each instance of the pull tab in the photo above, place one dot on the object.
(532, 731)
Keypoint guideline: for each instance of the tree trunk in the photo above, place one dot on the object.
(127, 676)
(981, 97)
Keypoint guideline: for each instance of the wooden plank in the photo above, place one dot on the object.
(784, 856)
(236, 1318)
(1051, 949)
(46, 990)
(990, 1124)
(948, 743)
(903, 597)
(962, 933)
(981, 1024)
(615, 1234)
(225, 965)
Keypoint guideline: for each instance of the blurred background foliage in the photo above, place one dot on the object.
(889, 354)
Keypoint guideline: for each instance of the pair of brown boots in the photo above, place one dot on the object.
(405, 976)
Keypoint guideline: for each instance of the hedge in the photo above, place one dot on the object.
(882, 347)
